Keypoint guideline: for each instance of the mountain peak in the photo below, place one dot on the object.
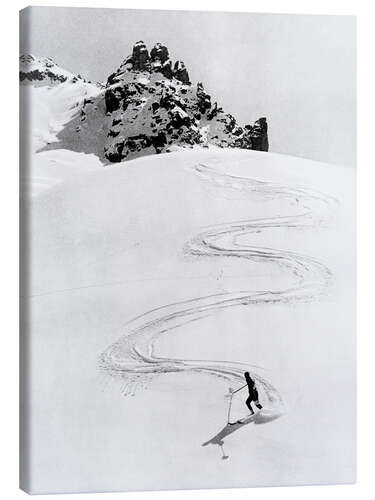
(156, 61)
(147, 106)
(42, 71)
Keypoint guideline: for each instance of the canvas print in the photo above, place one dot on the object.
(187, 249)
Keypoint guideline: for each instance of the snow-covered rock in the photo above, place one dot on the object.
(147, 106)
(40, 71)
(50, 98)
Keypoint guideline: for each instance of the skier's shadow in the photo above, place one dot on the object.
(261, 417)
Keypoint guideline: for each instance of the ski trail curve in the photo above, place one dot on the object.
(132, 357)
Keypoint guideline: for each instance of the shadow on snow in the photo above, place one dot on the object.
(261, 417)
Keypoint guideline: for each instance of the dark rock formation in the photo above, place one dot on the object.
(214, 111)
(41, 75)
(159, 53)
(156, 62)
(140, 58)
(160, 61)
(41, 70)
(180, 72)
(259, 135)
(149, 105)
(203, 99)
(173, 114)
(166, 69)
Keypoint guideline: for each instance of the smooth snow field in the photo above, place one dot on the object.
(154, 285)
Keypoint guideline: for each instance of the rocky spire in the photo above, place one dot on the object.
(259, 135)
(180, 72)
(151, 106)
(159, 53)
(140, 57)
(160, 61)
(157, 61)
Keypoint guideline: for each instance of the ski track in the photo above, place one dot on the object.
(132, 358)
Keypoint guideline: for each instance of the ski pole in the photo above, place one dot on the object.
(231, 391)
(230, 406)
(234, 392)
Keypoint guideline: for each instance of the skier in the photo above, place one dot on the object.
(253, 393)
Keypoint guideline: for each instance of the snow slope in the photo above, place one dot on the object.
(155, 286)
(50, 97)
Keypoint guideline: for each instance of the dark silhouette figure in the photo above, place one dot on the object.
(253, 393)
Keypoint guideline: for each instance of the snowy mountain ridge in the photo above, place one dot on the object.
(147, 106)
(39, 71)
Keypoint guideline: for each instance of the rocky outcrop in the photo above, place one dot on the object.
(153, 106)
(140, 58)
(149, 106)
(203, 99)
(159, 53)
(180, 72)
(259, 135)
(41, 71)
(157, 61)
(160, 62)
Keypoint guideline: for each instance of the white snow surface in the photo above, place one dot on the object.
(155, 283)
(47, 105)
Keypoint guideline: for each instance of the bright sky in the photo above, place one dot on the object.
(299, 71)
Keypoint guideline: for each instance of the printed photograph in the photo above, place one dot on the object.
(188, 246)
